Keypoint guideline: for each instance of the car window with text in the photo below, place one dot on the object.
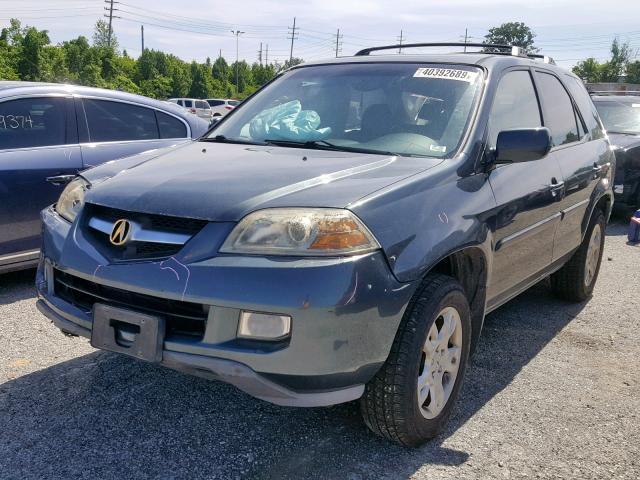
(32, 122)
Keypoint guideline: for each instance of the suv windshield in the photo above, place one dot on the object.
(620, 116)
(405, 108)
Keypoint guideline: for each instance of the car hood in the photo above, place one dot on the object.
(224, 182)
(624, 141)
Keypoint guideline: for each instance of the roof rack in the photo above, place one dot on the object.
(501, 49)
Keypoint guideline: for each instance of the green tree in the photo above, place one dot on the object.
(31, 63)
(220, 70)
(615, 67)
(589, 70)
(101, 36)
(512, 33)
(633, 72)
(288, 64)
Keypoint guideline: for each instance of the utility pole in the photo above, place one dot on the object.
(266, 57)
(293, 37)
(142, 36)
(237, 33)
(220, 54)
(110, 3)
(260, 54)
(400, 39)
(338, 43)
(466, 35)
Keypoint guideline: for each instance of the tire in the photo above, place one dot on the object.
(390, 404)
(575, 280)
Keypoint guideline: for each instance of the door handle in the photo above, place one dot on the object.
(556, 187)
(596, 170)
(60, 179)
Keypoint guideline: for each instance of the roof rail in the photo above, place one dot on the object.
(502, 49)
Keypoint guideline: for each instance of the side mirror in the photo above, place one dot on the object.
(522, 145)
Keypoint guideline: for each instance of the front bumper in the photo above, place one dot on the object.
(345, 313)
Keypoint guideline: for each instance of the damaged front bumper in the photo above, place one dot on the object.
(344, 312)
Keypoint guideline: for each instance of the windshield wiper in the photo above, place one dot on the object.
(223, 139)
(324, 145)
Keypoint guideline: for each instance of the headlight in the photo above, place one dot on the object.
(72, 199)
(300, 231)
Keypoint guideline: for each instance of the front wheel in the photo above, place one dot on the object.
(410, 399)
(577, 278)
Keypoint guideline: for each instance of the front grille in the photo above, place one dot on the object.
(182, 319)
(140, 250)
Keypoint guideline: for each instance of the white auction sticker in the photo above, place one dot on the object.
(447, 74)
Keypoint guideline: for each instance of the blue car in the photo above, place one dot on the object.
(341, 234)
(50, 132)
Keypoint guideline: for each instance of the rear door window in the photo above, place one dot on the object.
(586, 106)
(32, 122)
(115, 121)
(559, 115)
(514, 106)
(170, 127)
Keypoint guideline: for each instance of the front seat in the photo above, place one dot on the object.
(435, 117)
(376, 121)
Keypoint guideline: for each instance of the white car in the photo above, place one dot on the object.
(222, 106)
(198, 107)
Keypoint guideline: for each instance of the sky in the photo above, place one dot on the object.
(568, 30)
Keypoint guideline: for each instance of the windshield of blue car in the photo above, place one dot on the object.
(620, 116)
(406, 108)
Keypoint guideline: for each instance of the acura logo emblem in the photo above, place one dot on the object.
(120, 233)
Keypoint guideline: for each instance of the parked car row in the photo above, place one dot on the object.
(207, 109)
(50, 132)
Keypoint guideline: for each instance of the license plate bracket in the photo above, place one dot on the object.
(139, 335)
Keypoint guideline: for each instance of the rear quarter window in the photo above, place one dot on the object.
(201, 104)
(170, 127)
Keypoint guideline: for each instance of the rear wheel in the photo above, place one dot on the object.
(576, 279)
(410, 399)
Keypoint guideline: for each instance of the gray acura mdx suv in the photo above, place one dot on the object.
(342, 234)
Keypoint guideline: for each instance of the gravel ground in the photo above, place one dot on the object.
(553, 392)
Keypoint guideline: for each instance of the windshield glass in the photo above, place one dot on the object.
(404, 108)
(620, 116)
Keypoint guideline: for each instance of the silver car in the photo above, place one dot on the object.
(200, 108)
(50, 132)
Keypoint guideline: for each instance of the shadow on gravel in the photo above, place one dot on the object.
(16, 286)
(107, 416)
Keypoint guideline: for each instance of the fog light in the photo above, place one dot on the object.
(263, 326)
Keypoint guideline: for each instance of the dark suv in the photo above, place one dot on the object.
(342, 234)
(620, 115)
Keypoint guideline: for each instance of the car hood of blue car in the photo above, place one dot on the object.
(225, 182)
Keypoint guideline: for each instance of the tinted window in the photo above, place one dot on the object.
(170, 127)
(181, 103)
(201, 104)
(32, 122)
(587, 109)
(188, 103)
(514, 106)
(215, 103)
(115, 121)
(559, 116)
(234, 103)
